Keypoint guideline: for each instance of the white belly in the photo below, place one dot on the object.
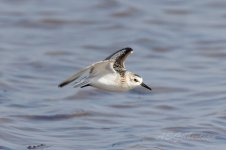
(110, 82)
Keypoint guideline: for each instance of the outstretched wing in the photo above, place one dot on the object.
(84, 76)
(120, 57)
(79, 77)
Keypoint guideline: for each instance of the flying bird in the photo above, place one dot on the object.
(109, 74)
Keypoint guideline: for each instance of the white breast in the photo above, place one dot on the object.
(110, 82)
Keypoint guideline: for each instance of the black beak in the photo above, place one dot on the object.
(144, 85)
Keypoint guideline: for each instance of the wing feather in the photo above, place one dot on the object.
(82, 74)
(81, 84)
(120, 56)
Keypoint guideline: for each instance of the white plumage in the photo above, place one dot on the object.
(109, 74)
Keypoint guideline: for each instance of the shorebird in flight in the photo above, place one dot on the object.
(109, 74)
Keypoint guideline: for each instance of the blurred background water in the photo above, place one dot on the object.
(179, 49)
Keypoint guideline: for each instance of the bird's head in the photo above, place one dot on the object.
(135, 80)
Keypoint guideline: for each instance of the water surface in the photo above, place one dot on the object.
(179, 50)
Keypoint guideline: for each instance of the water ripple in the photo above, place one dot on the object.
(179, 50)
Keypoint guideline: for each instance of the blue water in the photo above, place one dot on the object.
(179, 50)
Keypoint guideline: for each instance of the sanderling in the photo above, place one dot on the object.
(109, 74)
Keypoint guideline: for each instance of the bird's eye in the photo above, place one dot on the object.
(135, 80)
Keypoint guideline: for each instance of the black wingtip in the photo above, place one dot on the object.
(62, 84)
(128, 48)
(126, 51)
